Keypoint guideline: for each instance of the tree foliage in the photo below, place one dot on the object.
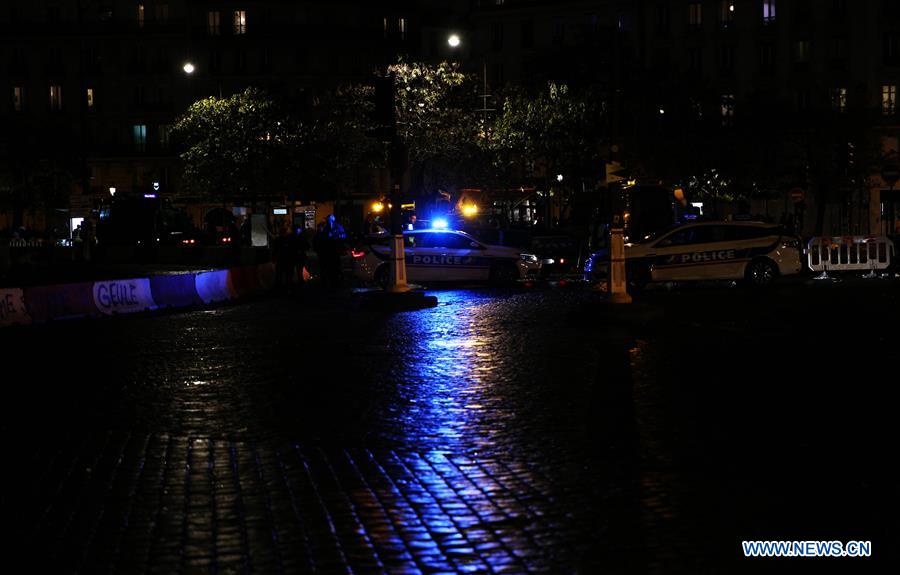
(557, 130)
(239, 146)
(435, 108)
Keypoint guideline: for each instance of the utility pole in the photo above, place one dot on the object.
(398, 161)
(484, 100)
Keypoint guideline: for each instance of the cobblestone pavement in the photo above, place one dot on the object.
(501, 432)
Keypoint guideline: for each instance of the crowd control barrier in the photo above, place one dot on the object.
(40, 304)
(850, 253)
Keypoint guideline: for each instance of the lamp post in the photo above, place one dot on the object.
(455, 41)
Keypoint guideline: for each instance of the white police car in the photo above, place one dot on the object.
(444, 256)
(735, 250)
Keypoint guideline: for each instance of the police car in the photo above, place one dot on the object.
(443, 256)
(752, 251)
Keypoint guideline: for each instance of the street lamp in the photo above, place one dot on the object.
(188, 68)
(454, 41)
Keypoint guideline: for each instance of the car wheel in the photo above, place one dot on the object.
(761, 273)
(382, 276)
(504, 273)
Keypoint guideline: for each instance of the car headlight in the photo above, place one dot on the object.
(529, 258)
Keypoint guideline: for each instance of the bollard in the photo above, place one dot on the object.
(398, 267)
(618, 292)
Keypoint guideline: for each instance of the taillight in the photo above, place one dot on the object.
(357, 253)
(226, 240)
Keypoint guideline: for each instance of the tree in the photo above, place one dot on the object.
(237, 146)
(339, 124)
(436, 119)
(555, 131)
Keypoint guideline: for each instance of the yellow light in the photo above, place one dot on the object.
(470, 210)
(377, 207)
(631, 183)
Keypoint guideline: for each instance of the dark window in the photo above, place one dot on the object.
(163, 62)
(695, 60)
(802, 100)
(240, 61)
(215, 61)
(559, 33)
(497, 75)
(890, 10)
(891, 49)
(662, 19)
(528, 34)
(767, 57)
(139, 60)
(726, 59)
(695, 15)
(497, 36)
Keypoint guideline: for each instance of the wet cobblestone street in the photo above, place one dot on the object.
(501, 432)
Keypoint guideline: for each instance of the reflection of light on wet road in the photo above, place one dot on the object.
(445, 373)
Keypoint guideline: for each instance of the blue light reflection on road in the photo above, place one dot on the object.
(447, 367)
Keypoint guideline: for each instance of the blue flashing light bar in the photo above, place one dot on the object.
(439, 224)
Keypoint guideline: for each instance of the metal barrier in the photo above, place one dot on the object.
(849, 253)
(20, 243)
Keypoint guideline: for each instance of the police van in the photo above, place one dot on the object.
(752, 251)
(444, 256)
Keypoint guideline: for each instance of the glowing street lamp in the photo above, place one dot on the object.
(188, 68)
(453, 40)
(377, 207)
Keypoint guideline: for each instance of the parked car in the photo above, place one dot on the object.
(752, 251)
(444, 256)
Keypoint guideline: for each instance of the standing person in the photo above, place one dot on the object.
(301, 245)
(285, 259)
(328, 243)
(87, 240)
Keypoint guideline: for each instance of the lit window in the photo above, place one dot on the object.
(140, 15)
(90, 97)
(889, 100)
(839, 99)
(768, 11)
(56, 97)
(695, 14)
(18, 98)
(140, 137)
(214, 23)
(727, 109)
(240, 22)
(162, 12)
(401, 24)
